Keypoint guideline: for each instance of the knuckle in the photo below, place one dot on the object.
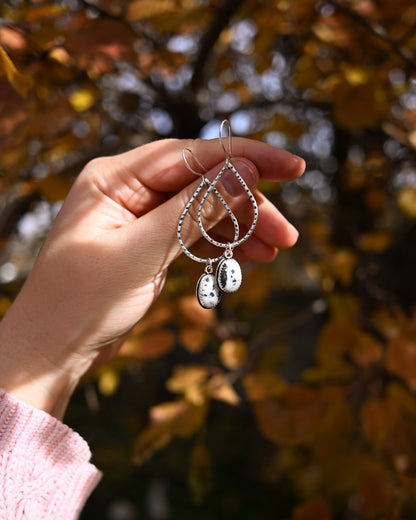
(212, 212)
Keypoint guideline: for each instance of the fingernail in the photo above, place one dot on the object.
(230, 182)
(295, 233)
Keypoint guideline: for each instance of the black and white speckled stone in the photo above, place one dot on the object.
(229, 275)
(207, 291)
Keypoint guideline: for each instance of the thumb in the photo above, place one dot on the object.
(156, 232)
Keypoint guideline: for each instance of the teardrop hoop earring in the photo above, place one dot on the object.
(228, 275)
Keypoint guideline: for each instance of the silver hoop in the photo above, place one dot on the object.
(228, 275)
(212, 188)
(229, 166)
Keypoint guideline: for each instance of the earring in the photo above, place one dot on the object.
(228, 275)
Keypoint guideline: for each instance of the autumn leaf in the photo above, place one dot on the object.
(233, 353)
(221, 389)
(293, 418)
(263, 385)
(359, 101)
(21, 83)
(379, 419)
(150, 345)
(167, 420)
(407, 201)
(53, 187)
(401, 359)
(312, 510)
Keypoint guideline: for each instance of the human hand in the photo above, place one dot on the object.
(105, 258)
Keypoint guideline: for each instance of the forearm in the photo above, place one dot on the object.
(28, 372)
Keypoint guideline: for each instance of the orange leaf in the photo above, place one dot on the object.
(292, 419)
(401, 359)
(366, 350)
(150, 345)
(263, 385)
(233, 353)
(54, 187)
(194, 338)
(20, 82)
(312, 510)
(379, 417)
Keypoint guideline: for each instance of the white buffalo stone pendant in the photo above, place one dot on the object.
(229, 276)
(207, 291)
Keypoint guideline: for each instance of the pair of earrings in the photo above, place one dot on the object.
(228, 276)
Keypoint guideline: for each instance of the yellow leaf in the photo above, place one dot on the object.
(375, 241)
(5, 303)
(221, 389)
(153, 438)
(82, 99)
(20, 82)
(108, 381)
(263, 385)
(142, 9)
(150, 345)
(359, 105)
(407, 201)
(167, 412)
(233, 353)
(342, 266)
(185, 376)
(307, 75)
(39, 12)
(167, 420)
(335, 340)
(54, 187)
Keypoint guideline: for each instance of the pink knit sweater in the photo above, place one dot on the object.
(45, 471)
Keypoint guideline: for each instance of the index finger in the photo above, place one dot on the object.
(160, 167)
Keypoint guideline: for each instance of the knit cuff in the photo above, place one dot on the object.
(44, 465)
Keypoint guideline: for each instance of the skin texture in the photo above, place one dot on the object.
(105, 259)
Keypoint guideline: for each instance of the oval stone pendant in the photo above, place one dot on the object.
(207, 291)
(229, 276)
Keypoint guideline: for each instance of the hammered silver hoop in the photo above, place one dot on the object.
(212, 189)
(228, 276)
(228, 166)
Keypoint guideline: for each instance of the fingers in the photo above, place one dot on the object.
(156, 231)
(272, 232)
(160, 167)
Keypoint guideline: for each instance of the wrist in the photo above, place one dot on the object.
(30, 370)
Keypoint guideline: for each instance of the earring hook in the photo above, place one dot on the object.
(185, 160)
(228, 154)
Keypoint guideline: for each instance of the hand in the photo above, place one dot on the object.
(105, 259)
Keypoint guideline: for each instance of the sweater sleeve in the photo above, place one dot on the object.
(44, 465)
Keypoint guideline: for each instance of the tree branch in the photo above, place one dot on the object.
(222, 17)
(378, 31)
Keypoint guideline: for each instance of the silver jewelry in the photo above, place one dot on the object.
(228, 275)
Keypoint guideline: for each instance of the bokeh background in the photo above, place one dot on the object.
(295, 399)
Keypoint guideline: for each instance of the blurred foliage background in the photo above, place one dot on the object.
(296, 399)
